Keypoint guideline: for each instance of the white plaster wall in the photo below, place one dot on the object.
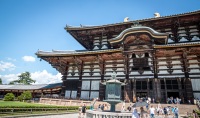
(196, 84)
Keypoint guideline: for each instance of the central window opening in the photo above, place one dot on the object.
(141, 61)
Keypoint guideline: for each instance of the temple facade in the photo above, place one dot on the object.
(155, 57)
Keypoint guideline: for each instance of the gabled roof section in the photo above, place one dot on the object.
(140, 29)
(85, 35)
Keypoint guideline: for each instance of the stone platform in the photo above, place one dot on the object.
(100, 114)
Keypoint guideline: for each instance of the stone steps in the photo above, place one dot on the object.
(183, 108)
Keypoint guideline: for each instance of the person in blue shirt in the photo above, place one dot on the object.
(176, 112)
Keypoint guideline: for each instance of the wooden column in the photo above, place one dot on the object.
(188, 90)
(102, 72)
(148, 88)
(64, 78)
(158, 89)
(155, 89)
(165, 90)
(127, 88)
(179, 87)
(33, 94)
(188, 83)
(80, 80)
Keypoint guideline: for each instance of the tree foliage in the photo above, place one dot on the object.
(0, 81)
(24, 78)
(9, 97)
(26, 95)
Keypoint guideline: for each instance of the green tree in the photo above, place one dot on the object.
(11, 83)
(26, 95)
(0, 81)
(9, 97)
(24, 78)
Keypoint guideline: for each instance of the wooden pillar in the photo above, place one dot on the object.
(102, 72)
(127, 91)
(80, 80)
(51, 93)
(155, 89)
(188, 90)
(166, 96)
(188, 83)
(148, 88)
(158, 89)
(64, 78)
(101, 91)
(179, 87)
(127, 87)
(33, 94)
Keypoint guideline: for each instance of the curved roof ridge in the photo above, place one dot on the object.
(137, 29)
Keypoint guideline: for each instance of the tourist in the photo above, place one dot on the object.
(149, 99)
(135, 113)
(143, 113)
(129, 108)
(176, 112)
(165, 111)
(152, 112)
(79, 111)
(172, 109)
(158, 110)
(83, 110)
(168, 110)
(102, 107)
(123, 108)
(189, 101)
(153, 100)
(106, 107)
(195, 101)
(99, 107)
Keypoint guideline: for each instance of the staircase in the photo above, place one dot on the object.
(184, 109)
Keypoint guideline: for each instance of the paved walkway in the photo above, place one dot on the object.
(76, 116)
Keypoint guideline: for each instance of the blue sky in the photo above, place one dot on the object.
(29, 25)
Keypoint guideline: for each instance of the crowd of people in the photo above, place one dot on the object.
(152, 112)
(171, 100)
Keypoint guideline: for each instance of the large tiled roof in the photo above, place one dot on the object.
(30, 87)
(133, 21)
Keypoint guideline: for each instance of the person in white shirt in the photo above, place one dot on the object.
(152, 112)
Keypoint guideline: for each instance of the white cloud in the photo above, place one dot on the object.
(28, 58)
(8, 78)
(11, 59)
(41, 77)
(6, 65)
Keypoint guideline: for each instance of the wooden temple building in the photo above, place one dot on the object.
(38, 90)
(155, 57)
